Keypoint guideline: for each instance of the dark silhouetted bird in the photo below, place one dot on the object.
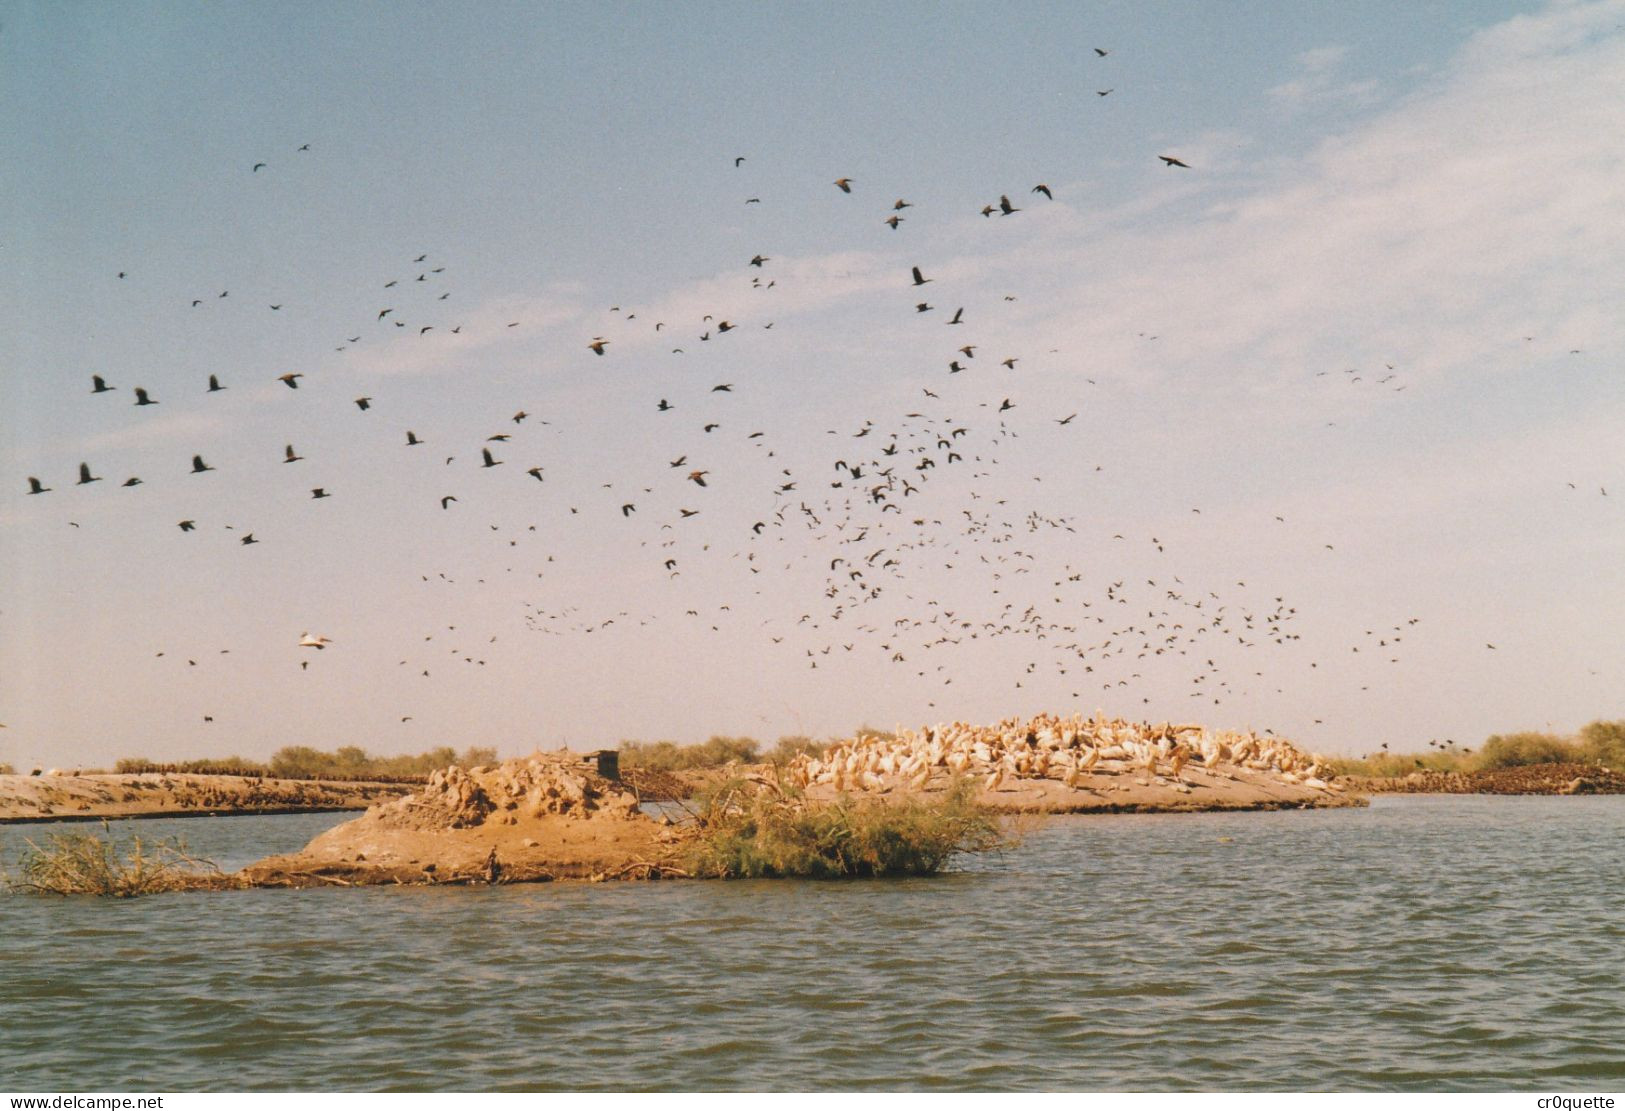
(844, 184)
(141, 397)
(85, 476)
(214, 384)
(288, 455)
(1044, 189)
(34, 486)
(97, 385)
(199, 466)
(1173, 161)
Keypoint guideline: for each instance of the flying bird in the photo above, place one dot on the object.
(199, 466)
(290, 380)
(85, 476)
(1044, 189)
(489, 462)
(320, 492)
(214, 384)
(597, 345)
(188, 526)
(844, 184)
(1173, 161)
(1005, 207)
(920, 279)
(141, 397)
(288, 455)
(362, 403)
(34, 486)
(98, 385)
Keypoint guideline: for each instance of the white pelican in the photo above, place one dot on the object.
(308, 641)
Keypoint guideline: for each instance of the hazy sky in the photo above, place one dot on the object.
(1348, 389)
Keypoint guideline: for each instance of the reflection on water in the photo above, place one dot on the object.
(1424, 943)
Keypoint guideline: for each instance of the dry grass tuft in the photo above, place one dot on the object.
(88, 864)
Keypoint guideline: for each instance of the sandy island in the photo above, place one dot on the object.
(549, 817)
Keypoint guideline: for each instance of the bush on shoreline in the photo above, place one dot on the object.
(88, 864)
(747, 829)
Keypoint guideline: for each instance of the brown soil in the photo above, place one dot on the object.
(55, 798)
(1531, 779)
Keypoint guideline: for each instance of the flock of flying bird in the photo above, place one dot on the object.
(838, 544)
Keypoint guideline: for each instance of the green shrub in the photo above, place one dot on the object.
(788, 748)
(749, 829)
(1513, 750)
(665, 756)
(1603, 742)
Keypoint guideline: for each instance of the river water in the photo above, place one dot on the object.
(1425, 943)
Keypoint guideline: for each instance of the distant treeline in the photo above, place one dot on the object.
(667, 756)
(303, 762)
(1601, 742)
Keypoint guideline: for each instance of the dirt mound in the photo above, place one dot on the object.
(455, 798)
(539, 818)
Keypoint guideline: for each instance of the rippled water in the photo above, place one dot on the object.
(1423, 943)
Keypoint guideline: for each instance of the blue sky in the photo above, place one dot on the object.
(1351, 359)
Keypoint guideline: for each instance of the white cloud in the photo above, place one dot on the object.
(1318, 82)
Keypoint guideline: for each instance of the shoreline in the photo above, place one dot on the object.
(29, 799)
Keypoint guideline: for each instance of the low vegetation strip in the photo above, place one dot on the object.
(348, 762)
(1599, 744)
